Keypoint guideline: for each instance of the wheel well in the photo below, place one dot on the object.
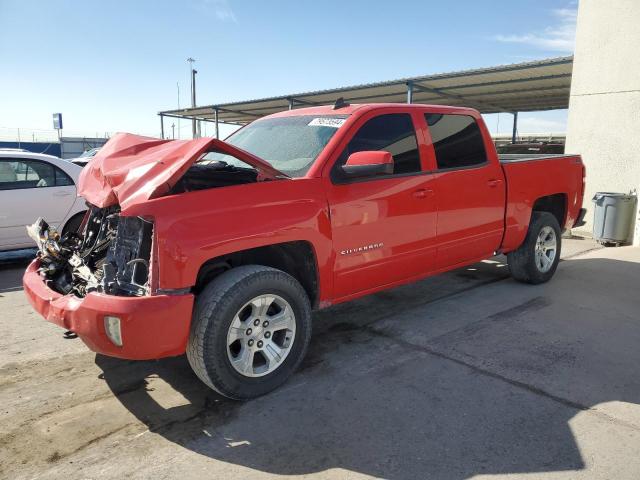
(295, 258)
(75, 216)
(554, 204)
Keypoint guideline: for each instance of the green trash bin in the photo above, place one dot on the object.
(613, 217)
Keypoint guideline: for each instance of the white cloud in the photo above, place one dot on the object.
(219, 8)
(559, 37)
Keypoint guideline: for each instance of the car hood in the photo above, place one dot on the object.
(131, 169)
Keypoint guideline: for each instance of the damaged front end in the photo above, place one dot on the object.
(109, 254)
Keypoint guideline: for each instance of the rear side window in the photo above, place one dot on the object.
(62, 179)
(457, 140)
(393, 133)
(21, 174)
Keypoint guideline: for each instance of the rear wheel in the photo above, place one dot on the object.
(537, 258)
(250, 330)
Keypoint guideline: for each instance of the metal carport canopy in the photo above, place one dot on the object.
(520, 87)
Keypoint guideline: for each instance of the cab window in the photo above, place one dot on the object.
(393, 133)
(457, 141)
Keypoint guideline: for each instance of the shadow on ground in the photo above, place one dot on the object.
(492, 396)
(12, 266)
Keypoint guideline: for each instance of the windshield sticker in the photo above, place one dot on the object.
(327, 122)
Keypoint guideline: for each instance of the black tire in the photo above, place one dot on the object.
(214, 311)
(73, 224)
(522, 262)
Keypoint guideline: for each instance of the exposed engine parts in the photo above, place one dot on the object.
(207, 173)
(110, 254)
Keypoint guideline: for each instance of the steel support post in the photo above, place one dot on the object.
(409, 92)
(215, 114)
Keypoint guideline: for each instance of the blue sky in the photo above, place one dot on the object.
(111, 66)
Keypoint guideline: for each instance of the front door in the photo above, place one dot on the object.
(383, 227)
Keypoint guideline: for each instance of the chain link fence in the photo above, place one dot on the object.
(8, 134)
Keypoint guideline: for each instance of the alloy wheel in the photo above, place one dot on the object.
(546, 249)
(261, 335)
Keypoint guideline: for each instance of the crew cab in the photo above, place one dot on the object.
(221, 249)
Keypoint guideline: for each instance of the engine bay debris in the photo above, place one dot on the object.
(109, 254)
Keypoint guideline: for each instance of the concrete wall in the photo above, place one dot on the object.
(604, 109)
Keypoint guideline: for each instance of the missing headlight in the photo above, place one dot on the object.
(112, 255)
(126, 270)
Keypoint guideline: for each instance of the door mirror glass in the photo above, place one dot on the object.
(368, 163)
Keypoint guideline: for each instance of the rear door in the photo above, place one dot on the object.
(30, 189)
(470, 191)
(383, 227)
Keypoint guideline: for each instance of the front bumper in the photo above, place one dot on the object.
(152, 326)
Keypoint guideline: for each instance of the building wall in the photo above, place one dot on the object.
(604, 108)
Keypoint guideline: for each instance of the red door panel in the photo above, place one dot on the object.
(470, 214)
(383, 232)
(383, 228)
(470, 189)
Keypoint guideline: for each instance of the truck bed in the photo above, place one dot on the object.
(528, 180)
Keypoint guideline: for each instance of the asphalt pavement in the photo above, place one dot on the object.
(462, 375)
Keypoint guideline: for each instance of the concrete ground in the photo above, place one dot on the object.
(462, 375)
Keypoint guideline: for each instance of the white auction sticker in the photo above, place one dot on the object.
(327, 122)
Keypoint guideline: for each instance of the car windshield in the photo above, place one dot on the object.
(89, 153)
(290, 144)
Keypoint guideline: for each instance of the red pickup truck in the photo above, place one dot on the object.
(222, 249)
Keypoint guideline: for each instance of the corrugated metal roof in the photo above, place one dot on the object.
(521, 87)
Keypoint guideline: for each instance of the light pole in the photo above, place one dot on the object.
(191, 61)
(178, 87)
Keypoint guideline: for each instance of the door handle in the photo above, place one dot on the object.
(423, 193)
(493, 183)
(61, 194)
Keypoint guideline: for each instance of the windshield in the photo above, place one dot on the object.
(290, 144)
(89, 153)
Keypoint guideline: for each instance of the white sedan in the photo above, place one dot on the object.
(34, 185)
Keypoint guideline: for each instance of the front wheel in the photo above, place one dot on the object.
(536, 260)
(250, 330)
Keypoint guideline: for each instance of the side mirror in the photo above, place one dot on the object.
(368, 163)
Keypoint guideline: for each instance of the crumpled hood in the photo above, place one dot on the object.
(132, 169)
